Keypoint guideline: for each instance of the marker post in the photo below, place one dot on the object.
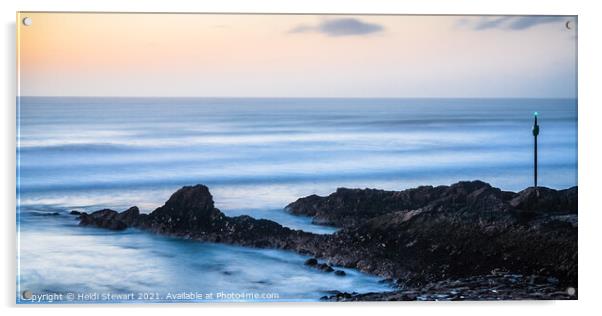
(535, 133)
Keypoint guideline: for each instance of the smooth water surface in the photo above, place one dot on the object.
(256, 155)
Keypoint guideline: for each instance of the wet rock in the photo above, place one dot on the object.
(546, 200)
(190, 213)
(129, 216)
(482, 287)
(351, 207)
(468, 228)
(418, 236)
(311, 262)
(340, 273)
(324, 267)
(189, 209)
(105, 218)
(74, 212)
(552, 280)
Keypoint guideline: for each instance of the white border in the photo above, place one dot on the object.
(589, 149)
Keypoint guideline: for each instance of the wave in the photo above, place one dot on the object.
(290, 178)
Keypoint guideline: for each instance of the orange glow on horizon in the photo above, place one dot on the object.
(240, 55)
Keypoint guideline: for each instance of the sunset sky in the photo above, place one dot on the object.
(76, 54)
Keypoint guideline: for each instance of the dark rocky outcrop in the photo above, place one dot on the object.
(494, 286)
(311, 262)
(546, 200)
(466, 229)
(105, 218)
(190, 213)
(110, 219)
(325, 267)
(350, 207)
(417, 237)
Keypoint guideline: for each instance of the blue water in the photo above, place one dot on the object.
(256, 155)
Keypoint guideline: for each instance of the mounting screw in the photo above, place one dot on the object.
(570, 291)
(26, 295)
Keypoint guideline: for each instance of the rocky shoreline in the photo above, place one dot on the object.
(468, 240)
(498, 285)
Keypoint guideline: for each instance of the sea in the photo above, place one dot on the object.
(256, 155)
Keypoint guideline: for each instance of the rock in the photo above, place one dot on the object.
(129, 216)
(188, 209)
(105, 218)
(351, 207)
(340, 273)
(468, 228)
(479, 287)
(546, 200)
(417, 236)
(190, 213)
(311, 262)
(74, 212)
(552, 280)
(324, 267)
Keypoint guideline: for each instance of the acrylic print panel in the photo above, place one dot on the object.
(257, 158)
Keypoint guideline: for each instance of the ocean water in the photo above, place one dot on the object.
(256, 155)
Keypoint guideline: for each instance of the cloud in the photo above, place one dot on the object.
(349, 26)
(512, 23)
(302, 28)
(527, 22)
(491, 23)
(340, 27)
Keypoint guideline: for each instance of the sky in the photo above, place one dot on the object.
(220, 55)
